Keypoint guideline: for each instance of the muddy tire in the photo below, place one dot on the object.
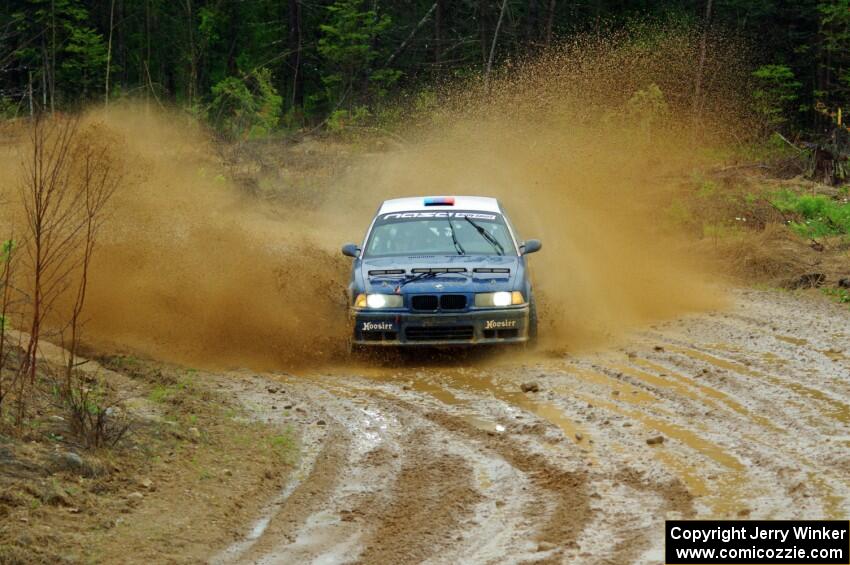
(354, 350)
(532, 322)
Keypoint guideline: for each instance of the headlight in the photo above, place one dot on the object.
(377, 301)
(497, 299)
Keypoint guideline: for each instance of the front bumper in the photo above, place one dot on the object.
(475, 327)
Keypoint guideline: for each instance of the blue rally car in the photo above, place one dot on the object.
(441, 271)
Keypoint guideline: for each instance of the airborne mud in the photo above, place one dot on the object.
(744, 395)
(584, 146)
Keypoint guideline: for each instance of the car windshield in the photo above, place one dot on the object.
(439, 233)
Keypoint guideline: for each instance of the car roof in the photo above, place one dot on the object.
(478, 203)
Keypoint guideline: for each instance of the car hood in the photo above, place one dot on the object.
(468, 281)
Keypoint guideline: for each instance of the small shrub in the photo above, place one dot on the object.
(245, 107)
(94, 413)
(840, 295)
(775, 93)
(341, 119)
(160, 393)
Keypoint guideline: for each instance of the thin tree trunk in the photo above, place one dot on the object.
(295, 40)
(193, 71)
(493, 45)
(5, 298)
(53, 55)
(148, 53)
(532, 27)
(411, 35)
(482, 30)
(550, 22)
(438, 32)
(44, 81)
(700, 67)
(109, 50)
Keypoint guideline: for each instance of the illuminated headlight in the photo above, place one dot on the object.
(377, 301)
(497, 299)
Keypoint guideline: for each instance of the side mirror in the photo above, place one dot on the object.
(350, 250)
(531, 246)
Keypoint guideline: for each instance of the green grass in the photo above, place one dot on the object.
(161, 393)
(284, 445)
(164, 393)
(814, 215)
(840, 295)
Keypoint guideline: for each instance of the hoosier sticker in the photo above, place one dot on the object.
(377, 326)
(499, 324)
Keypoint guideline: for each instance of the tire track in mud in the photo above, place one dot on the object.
(423, 488)
(425, 509)
(444, 464)
(559, 512)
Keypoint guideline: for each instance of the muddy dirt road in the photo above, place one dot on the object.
(449, 461)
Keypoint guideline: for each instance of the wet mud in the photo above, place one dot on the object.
(459, 464)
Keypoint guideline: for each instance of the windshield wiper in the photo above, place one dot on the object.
(488, 236)
(458, 247)
(416, 277)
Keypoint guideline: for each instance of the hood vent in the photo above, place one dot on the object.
(439, 270)
(386, 272)
(489, 270)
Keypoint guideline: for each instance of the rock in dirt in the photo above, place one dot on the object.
(321, 423)
(69, 461)
(844, 283)
(808, 280)
(657, 440)
(579, 437)
(529, 387)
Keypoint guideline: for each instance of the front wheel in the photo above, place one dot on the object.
(354, 350)
(532, 322)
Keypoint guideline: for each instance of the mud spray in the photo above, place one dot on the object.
(584, 145)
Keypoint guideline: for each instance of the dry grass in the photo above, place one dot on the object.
(189, 475)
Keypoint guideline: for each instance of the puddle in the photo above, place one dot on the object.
(541, 408)
(627, 392)
(479, 383)
(722, 495)
(833, 354)
(439, 383)
(792, 340)
(773, 358)
(832, 407)
(832, 503)
(685, 436)
(712, 393)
